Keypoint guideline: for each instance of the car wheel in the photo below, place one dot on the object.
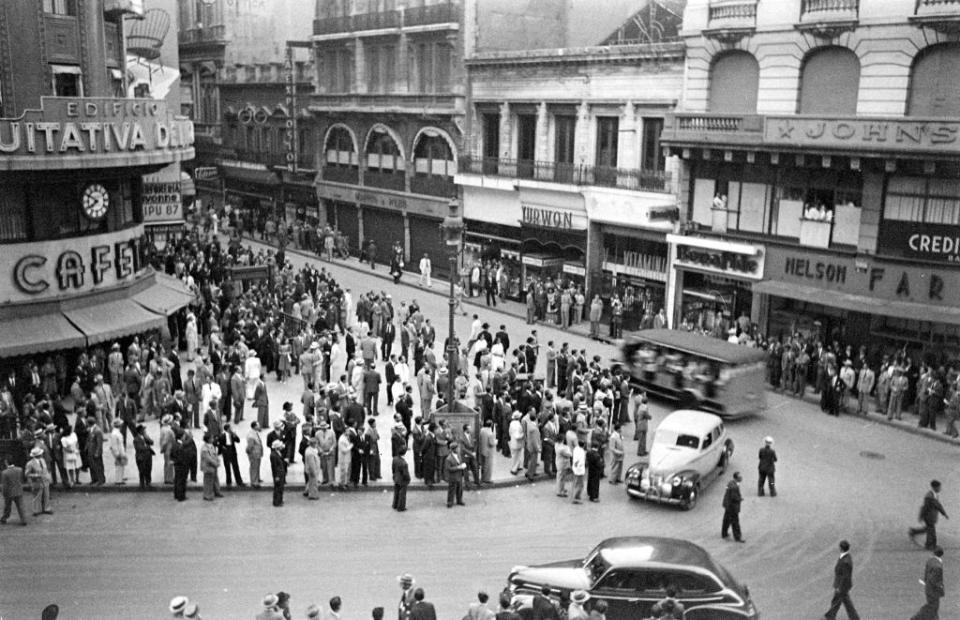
(692, 499)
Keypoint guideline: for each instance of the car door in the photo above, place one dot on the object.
(625, 591)
(694, 589)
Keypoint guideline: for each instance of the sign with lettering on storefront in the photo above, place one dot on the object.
(48, 269)
(382, 200)
(712, 255)
(932, 242)
(162, 202)
(537, 216)
(875, 134)
(864, 276)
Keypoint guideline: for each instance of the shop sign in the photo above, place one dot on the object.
(382, 200)
(714, 256)
(540, 263)
(205, 173)
(61, 268)
(875, 134)
(932, 242)
(537, 216)
(162, 202)
(634, 270)
(575, 270)
(868, 277)
(94, 127)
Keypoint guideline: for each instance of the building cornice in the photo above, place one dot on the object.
(580, 55)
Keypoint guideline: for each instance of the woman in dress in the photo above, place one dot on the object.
(71, 454)
(118, 452)
(338, 359)
(284, 351)
(193, 337)
(251, 372)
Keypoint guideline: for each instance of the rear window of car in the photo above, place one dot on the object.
(666, 437)
(690, 583)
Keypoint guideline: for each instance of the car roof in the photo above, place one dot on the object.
(702, 346)
(639, 551)
(690, 421)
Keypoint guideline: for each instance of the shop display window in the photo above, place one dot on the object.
(923, 199)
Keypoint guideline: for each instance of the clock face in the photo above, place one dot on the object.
(95, 201)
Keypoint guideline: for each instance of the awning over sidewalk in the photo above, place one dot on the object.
(860, 303)
(36, 334)
(165, 296)
(113, 319)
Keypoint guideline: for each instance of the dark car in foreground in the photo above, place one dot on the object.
(632, 574)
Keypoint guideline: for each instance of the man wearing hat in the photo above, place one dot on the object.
(454, 467)
(576, 611)
(39, 477)
(270, 611)
(167, 440)
(238, 389)
(898, 389)
(768, 460)
(95, 452)
(254, 453)
(406, 596)
(313, 612)
(278, 467)
(731, 508)
(178, 605)
(327, 449)
(181, 466)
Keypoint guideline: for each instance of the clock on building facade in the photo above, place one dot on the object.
(95, 201)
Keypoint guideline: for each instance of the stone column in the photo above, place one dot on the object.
(506, 132)
(542, 146)
(359, 68)
(402, 69)
(628, 148)
(582, 147)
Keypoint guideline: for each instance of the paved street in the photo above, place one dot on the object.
(126, 554)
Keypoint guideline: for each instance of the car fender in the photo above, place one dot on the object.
(689, 474)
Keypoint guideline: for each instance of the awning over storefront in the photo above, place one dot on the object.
(165, 296)
(187, 186)
(860, 303)
(36, 334)
(113, 319)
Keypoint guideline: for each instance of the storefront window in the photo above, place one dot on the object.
(54, 210)
(713, 304)
(921, 199)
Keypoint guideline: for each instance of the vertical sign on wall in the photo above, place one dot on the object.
(290, 134)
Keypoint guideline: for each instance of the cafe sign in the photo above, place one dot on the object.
(857, 133)
(735, 260)
(53, 269)
(94, 132)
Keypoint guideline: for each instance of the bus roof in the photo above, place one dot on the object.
(699, 345)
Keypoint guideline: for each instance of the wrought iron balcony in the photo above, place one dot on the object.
(395, 180)
(341, 174)
(447, 12)
(407, 102)
(568, 173)
(433, 185)
(206, 35)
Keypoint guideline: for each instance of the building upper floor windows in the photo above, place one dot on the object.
(934, 87)
(67, 81)
(60, 7)
(829, 82)
(734, 83)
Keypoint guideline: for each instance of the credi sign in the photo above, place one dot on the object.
(41, 270)
(66, 126)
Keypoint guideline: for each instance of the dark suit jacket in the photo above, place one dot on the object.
(454, 466)
(423, 611)
(931, 509)
(768, 458)
(401, 472)
(543, 609)
(732, 497)
(843, 573)
(933, 578)
(389, 373)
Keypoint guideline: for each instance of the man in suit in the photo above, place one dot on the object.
(929, 513)
(842, 584)
(278, 467)
(731, 508)
(192, 390)
(542, 608)
(933, 587)
(261, 400)
(254, 454)
(454, 467)
(227, 444)
(95, 452)
(211, 421)
(532, 444)
(421, 609)
(767, 467)
(485, 450)
(371, 391)
(388, 335)
(181, 468)
(390, 376)
(127, 411)
(401, 480)
(237, 393)
(11, 483)
(105, 397)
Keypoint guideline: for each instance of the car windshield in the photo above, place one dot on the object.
(672, 438)
(595, 566)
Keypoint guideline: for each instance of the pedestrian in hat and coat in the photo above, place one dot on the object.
(11, 484)
(254, 453)
(39, 477)
(278, 467)
(401, 479)
(311, 467)
(767, 467)
(577, 611)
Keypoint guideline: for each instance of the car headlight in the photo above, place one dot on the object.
(677, 480)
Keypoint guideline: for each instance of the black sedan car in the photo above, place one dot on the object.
(633, 573)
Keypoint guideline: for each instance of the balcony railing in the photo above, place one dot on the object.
(342, 174)
(433, 185)
(937, 6)
(267, 158)
(731, 13)
(432, 14)
(448, 12)
(567, 173)
(209, 34)
(397, 101)
(705, 128)
(817, 8)
(386, 180)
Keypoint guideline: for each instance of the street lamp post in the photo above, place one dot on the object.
(453, 232)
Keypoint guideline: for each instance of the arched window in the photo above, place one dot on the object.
(382, 153)
(432, 156)
(829, 82)
(934, 87)
(734, 80)
(339, 148)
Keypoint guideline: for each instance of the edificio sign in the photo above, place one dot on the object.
(49, 269)
(872, 134)
(92, 127)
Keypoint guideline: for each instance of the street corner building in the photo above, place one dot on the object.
(73, 155)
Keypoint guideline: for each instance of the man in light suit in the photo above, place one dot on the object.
(488, 445)
(533, 444)
(454, 468)
(842, 584)
(192, 391)
(933, 587)
(254, 453)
